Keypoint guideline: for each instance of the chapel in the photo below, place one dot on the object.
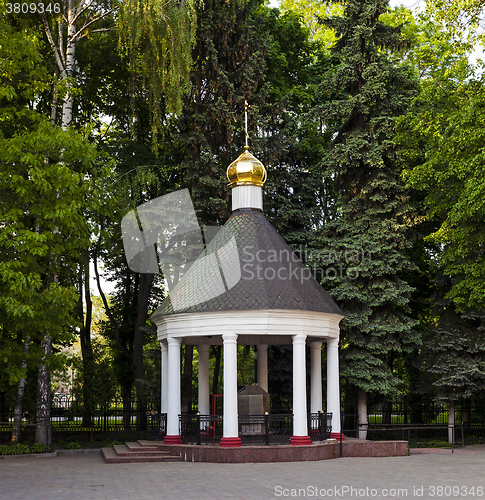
(249, 288)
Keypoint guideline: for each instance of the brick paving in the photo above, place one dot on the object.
(87, 477)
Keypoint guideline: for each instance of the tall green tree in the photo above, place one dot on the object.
(312, 13)
(441, 138)
(43, 185)
(364, 247)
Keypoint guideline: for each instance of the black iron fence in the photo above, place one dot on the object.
(472, 433)
(252, 429)
(319, 426)
(116, 414)
(422, 435)
(200, 429)
(156, 426)
(265, 429)
(411, 409)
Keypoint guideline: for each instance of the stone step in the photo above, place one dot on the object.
(122, 449)
(149, 444)
(111, 456)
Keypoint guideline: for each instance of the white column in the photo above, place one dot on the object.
(230, 436)
(316, 377)
(204, 404)
(300, 424)
(333, 385)
(164, 373)
(262, 361)
(173, 410)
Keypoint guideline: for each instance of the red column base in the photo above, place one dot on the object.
(233, 442)
(172, 440)
(300, 440)
(336, 435)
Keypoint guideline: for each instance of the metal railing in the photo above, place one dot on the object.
(252, 429)
(156, 426)
(67, 414)
(474, 433)
(319, 426)
(200, 429)
(265, 429)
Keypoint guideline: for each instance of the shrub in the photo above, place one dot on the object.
(17, 449)
(38, 448)
(74, 446)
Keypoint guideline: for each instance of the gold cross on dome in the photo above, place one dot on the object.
(246, 107)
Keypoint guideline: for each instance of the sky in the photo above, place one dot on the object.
(393, 3)
(411, 4)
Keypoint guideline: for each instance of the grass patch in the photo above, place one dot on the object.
(433, 443)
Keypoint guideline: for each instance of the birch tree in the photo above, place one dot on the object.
(64, 31)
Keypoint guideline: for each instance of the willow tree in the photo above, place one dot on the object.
(158, 37)
(364, 248)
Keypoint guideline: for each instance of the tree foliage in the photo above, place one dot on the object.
(364, 247)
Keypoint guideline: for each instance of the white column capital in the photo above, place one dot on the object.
(299, 338)
(332, 342)
(173, 341)
(229, 338)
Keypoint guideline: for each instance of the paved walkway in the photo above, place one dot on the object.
(87, 477)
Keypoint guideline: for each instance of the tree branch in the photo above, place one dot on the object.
(79, 35)
(53, 45)
(61, 40)
(80, 10)
(114, 323)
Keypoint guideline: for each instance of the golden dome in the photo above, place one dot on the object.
(246, 170)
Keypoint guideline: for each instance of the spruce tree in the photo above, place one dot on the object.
(362, 253)
(228, 68)
(453, 355)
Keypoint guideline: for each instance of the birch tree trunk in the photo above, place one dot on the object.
(70, 63)
(43, 403)
(63, 46)
(362, 412)
(19, 397)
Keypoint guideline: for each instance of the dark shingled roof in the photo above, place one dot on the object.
(258, 270)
